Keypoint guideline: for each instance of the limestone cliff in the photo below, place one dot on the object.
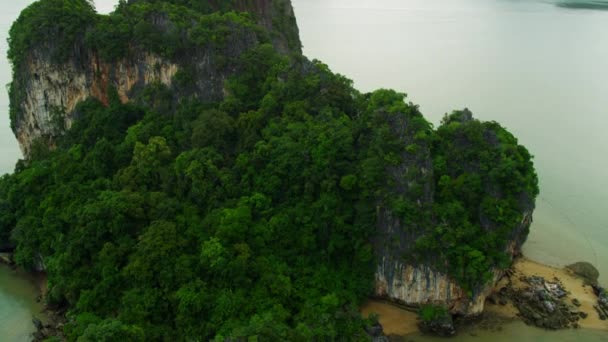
(52, 91)
(414, 284)
(45, 92)
(425, 280)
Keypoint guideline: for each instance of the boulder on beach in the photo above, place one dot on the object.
(585, 271)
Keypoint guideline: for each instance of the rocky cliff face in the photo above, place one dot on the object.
(414, 282)
(52, 91)
(46, 93)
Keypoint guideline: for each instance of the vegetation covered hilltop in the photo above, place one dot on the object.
(176, 216)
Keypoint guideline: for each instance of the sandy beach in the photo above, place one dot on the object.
(572, 284)
(394, 320)
(400, 322)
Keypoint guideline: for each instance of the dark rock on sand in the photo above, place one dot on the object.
(585, 271)
(597, 290)
(602, 302)
(541, 304)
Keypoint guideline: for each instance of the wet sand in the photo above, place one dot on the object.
(394, 320)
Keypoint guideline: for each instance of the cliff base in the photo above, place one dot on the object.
(501, 307)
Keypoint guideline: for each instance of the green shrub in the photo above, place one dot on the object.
(429, 312)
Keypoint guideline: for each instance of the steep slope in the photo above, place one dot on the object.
(448, 246)
(55, 70)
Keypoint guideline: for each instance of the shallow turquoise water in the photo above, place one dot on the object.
(17, 306)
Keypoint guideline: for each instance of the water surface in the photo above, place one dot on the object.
(17, 306)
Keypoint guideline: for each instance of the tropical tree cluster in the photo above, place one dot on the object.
(170, 218)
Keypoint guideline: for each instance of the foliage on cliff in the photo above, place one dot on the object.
(484, 183)
(169, 28)
(173, 219)
(55, 24)
(70, 31)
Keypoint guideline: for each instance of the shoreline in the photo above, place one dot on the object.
(24, 288)
(48, 321)
(38, 278)
(400, 322)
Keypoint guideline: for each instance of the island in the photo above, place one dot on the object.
(190, 175)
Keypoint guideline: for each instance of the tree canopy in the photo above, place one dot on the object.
(175, 219)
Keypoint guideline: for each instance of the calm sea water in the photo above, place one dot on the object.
(539, 69)
(17, 306)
